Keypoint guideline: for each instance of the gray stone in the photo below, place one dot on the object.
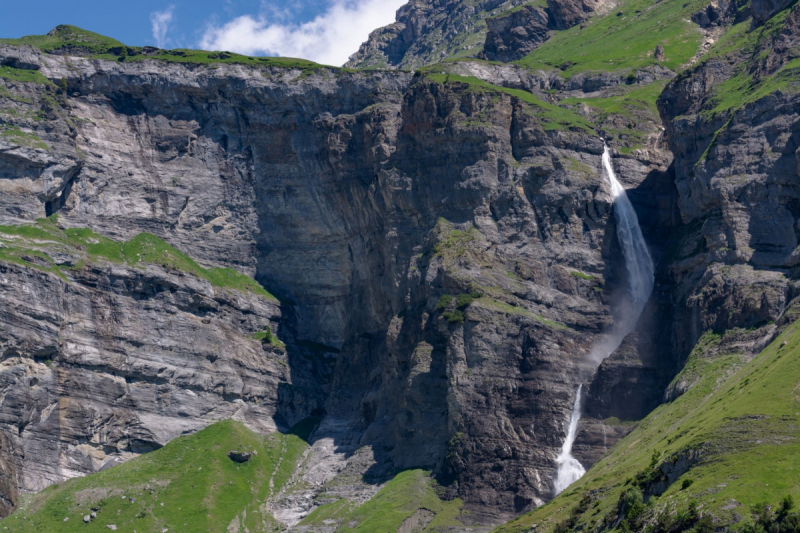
(239, 457)
(513, 36)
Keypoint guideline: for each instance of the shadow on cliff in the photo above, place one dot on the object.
(630, 383)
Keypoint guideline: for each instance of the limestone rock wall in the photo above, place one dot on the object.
(443, 261)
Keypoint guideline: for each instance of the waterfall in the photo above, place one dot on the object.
(570, 469)
(637, 258)
(640, 284)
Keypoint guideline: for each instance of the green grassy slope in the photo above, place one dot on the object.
(34, 246)
(395, 503)
(746, 86)
(189, 485)
(75, 40)
(739, 424)
(624, 39)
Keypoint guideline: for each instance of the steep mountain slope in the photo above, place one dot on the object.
(730, 442)
(191, 485)
(727, 439)
(444, 251)
(444, 254)
(427, 32)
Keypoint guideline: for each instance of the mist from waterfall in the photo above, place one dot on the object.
(641, 278)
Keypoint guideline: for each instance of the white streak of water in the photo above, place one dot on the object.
(637, 257)
(640, 284)
(570, 469)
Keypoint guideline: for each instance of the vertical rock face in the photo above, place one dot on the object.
(117, 361)
(734, 265)
(445, 258)
(514, 35)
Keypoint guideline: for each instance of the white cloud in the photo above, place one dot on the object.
(160, 22)
(329, 39)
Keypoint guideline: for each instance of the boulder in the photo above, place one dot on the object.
(239, 457)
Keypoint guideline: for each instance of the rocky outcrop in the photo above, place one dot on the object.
(568, 13)
(500, 30)
(515, 34)
(732, 266)
(426, 32)
(763, 10)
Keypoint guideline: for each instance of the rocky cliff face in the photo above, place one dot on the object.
(443, 250)
(427, 32)
(735, 169)
(445, 259)
(513, 35)
(499, 30)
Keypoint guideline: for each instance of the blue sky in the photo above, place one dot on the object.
(327, 31)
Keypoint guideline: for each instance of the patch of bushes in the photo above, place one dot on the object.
(444, 301)
(570, 522)
(454, 306)
(767, 520)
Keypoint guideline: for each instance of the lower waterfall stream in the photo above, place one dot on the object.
(641, 278)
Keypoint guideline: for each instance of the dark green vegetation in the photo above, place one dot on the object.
(189, 485)
(71, 39)
(36, 245)
(395, 503)
(454, 306)
(730, 441)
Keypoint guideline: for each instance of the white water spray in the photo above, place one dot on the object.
(570, 469)
(640, 284)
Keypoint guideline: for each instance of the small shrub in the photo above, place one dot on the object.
(786, 506)
(686, 483)
(705, 524)
(444, 302)
(454, 317)
(268, 337)
(464, 300)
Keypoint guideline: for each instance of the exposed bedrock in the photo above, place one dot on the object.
(444, 257)
(116, 361)
(512, 36)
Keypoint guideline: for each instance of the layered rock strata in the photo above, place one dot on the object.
(445, 257)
